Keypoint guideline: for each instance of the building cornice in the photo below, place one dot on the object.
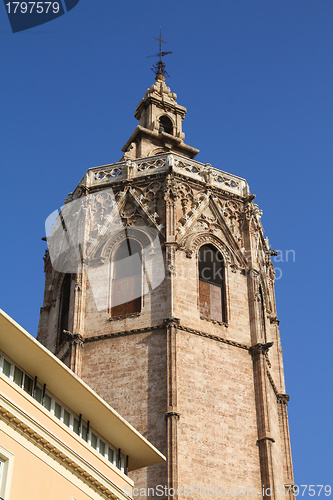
(163, 137)
(168, 321)
(32, 430)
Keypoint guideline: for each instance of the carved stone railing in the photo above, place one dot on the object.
(205, 173)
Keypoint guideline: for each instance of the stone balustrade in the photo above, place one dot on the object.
(107, 174)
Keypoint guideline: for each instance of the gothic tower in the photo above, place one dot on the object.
(163, 302)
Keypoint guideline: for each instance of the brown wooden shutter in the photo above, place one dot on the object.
(122, 288)
(210, 301)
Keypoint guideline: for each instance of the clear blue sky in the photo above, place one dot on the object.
(256, 78)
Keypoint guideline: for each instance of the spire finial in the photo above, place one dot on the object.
(159, 67)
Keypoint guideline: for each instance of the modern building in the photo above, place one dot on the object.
(191, 342)
(59, 439)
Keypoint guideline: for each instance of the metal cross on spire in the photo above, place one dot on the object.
(159, 67)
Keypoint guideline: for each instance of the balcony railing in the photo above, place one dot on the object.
(205, 173)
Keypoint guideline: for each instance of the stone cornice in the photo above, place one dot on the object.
(163, 137)
(63, 454)
(214, 321)
(123, 316)
(160, 103)
(123, 333)
(214, 337)
(168, 321)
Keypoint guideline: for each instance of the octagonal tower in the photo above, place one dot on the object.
(195, 362)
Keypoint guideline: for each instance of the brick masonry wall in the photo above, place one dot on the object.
(217, 430)
(129, 372)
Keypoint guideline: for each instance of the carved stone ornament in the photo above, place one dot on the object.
(75, 338)
(191, 244)
(171, 322)
(283, 399)
(195, 241)
(149, 196)
(274, 320)
(144, 235)
(172, 414)
(261, 348)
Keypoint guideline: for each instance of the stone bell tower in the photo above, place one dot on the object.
(194, 362)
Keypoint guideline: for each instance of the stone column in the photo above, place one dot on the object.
(172, 415)
(265, 440)
(285, 441)
(75, 341)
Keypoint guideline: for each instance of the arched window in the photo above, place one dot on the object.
(212, 297)
(126, 286)
(65, 296)
(165, 124)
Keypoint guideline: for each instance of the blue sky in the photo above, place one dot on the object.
(256, 77)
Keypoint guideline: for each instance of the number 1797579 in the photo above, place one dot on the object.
(32, 7)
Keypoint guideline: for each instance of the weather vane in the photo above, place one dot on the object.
(159, 67)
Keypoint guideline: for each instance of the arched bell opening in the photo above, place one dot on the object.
(165, 125)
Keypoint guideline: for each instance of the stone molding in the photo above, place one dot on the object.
(266, 438)
(124, 316)
(281, 398)
(172, 322)
(215, 321)
(172, 414)
(270, 378)
(123, 333)
(214, 337)
(42, 439)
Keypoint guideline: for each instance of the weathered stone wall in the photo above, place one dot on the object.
(129, 372)
(217, 429)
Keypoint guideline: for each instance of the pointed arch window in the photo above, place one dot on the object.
(212, 295)
(126, 285)
(65, 296)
